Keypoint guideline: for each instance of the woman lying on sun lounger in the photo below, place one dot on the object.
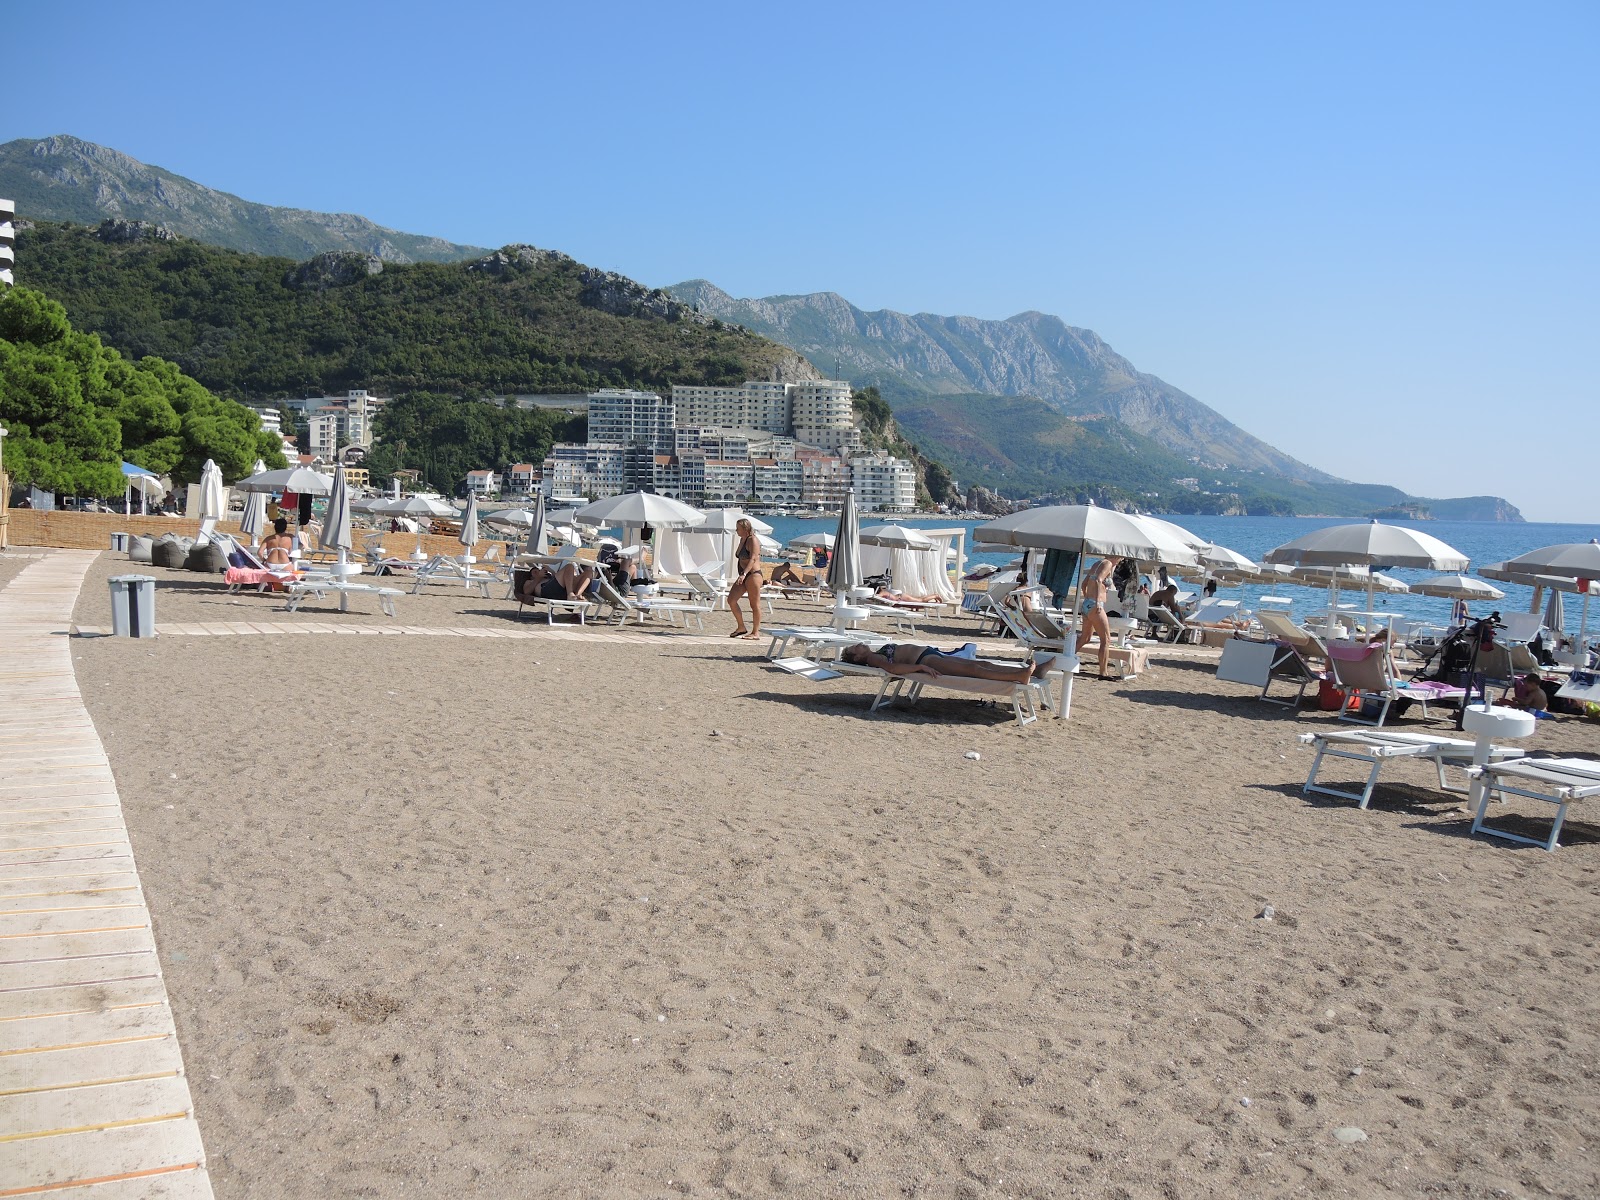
(908, 658)
(891, 595)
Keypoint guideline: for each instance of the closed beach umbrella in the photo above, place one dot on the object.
(211, 497)
(254, 518)
(468, 536)
(1369, 545)
(537, 542)
(894, 537)
(1555, 612)
(844, 568)
(335, 531)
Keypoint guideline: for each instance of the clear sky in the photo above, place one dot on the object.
(1366, 233)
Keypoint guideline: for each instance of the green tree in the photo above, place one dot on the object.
(58, 441)
(222, 430)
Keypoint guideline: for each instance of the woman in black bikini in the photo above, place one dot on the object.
(908, 658)
(747, 582)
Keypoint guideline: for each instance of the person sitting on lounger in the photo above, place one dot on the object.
(276, 547)
(568, 583)
(908, 658)
(1166, 598)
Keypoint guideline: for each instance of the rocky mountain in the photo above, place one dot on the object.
(1031, 354)
(65, 179)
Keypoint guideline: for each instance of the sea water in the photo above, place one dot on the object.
(1481, 541)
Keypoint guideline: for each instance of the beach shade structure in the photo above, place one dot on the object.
(1457, 587)
(1579, 560)
(1085, 529)
(508, 518)
(1372, 544)
(639, 508)
(302, 481)
(418, 507)
(1193, 540)
(254, 518)
(810, 541)
(538, 540)
(468, 536)
(844, 565)
(137, 479)
(894, 537)
(213, 501)
(726, 520)
(335, 532)
(1220, 562)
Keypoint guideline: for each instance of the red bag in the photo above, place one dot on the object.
(1330, 698)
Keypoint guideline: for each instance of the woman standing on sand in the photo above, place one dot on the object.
(746, 581)
(1096, 590)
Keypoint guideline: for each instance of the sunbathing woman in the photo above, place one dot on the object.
(907, 658)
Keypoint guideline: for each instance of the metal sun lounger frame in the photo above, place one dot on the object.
(319, 587)
(1564, 780)
(1026, 698)
(1377, 746)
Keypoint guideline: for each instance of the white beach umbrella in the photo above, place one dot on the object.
(254, 517)
(1192, 540)
(1087, 529)
(844, 566)
(468, 536)
(1457, 587)
(538, 540)
(416, 507)
(508, 518)
(639, 508)
(1579, 560)
(895, 537)
(149, 488)
(213, 504)
(300, 480)
(726, 520)
(810, 541)
(1369, 545)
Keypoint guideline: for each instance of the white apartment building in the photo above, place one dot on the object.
(778, 480)
(824, 480)
(751, 405)
(726, 482)
(623, 417)
(330, 418)
(483, 483)
(584, 469)
(521, 479)
(824, 415)
(884, 484)
(271, 418)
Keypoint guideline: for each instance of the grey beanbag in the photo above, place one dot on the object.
(139, 548)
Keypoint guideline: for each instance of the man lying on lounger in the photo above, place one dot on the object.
(787, 576)
(569, 583)
(908, 658)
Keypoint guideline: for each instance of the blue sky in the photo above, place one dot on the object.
(1366, 233)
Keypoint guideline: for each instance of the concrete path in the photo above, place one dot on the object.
(94, 1101)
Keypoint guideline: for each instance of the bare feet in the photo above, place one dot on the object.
(749, 637)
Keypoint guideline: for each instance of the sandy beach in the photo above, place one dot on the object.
(461, 915)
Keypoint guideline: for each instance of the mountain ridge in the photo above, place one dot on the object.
(1032, 353)
(63, 178)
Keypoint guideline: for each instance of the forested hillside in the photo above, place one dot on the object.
(252, 327)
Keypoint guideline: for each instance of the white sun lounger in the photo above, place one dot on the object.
(320, 586)
(1557, 781)
(1377, 746)
(1025, 698)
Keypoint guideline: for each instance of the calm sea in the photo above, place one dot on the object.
(1480, 541)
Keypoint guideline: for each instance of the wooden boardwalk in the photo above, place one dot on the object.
(94, 1101)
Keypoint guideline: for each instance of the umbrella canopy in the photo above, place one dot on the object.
(1219, 560)
(469, 524)
(726, 520)
(639, 508)
(1369, 545)
(844, 568)
(130, 470)
(509, 518)
(1086, 529)
(147, 486)
(415, 506)
(895, 537)
(301, 480)
(1504, 572)
(1194, 541)
(1579, 560)
(1457, 587)
(211, 498)
(809, 541)
(1352, 577)
(335, 531)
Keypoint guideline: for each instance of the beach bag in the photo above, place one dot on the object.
(1332, 699)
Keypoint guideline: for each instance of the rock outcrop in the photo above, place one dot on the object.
(115, 230)
(622, 297)
(509, 258)
(334, 269)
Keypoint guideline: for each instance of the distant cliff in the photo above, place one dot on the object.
(66, 179)
(1032, 354)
